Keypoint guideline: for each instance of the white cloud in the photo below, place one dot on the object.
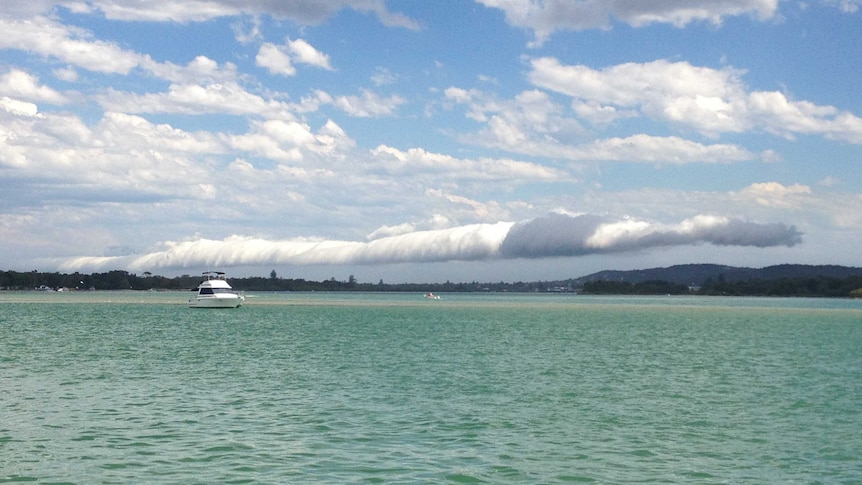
(140, 134)
(814, 211)
(774, 194)
(417, 161)
(77, 47)
(20, 84)
(674, 91)
(600, 114)
(120, 153)
(302, 11)
(304, 53)
(531, 124)
(67, 74)
(548, 16)
(369, 104)
(280, 59)
(126, 158)
(389, 231)
(659, 151)
(549, 236)
(435, 222)
(30, 8)
(199, 70)
(247, 29)
(709, 100)
(788, 118)
(223, 98)
(287, 140)
(561, 235)
(18, 107)
(68, 44)
(275, 59)
(836, 209)
(163, 10)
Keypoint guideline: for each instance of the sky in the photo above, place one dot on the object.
(428, 141)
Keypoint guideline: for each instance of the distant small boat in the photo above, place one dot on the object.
(215, 292)
(431, 296)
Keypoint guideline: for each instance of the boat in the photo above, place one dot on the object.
(215, 292)
(431, 296)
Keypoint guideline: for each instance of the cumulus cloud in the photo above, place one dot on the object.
(195, 99)
(74, 46)
(549, 236)
(18, 108)
(305, 53)
(280, 59)
(774, 194)
(685, 96)
(78, 47)
(21, 84)
(712, 101)
(532, 124)
(121, 156)
(290, 140)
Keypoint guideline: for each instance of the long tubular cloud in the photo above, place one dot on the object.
(548, 236)
(562, 235)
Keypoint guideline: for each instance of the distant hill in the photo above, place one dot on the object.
(699, 274)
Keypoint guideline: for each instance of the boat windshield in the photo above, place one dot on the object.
(211, 291)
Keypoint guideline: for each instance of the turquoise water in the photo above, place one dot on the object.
(108, 387)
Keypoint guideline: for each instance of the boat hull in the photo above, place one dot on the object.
(220, 301)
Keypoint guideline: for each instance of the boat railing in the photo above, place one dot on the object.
(214, 275)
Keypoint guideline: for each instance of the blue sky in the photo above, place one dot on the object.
(428, 141)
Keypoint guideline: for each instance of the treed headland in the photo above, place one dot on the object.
(701, 279)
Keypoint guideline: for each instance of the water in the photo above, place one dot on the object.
(115, 387)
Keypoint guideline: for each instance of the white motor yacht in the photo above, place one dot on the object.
(215, 292)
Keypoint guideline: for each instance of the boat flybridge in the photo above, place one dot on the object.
(215, 292)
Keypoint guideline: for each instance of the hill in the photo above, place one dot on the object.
(700, 274)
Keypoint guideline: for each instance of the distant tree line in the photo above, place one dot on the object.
(123, 280)
(818, 286)
(652, 287)
(112, 280)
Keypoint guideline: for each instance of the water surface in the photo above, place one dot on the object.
(130, 387)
